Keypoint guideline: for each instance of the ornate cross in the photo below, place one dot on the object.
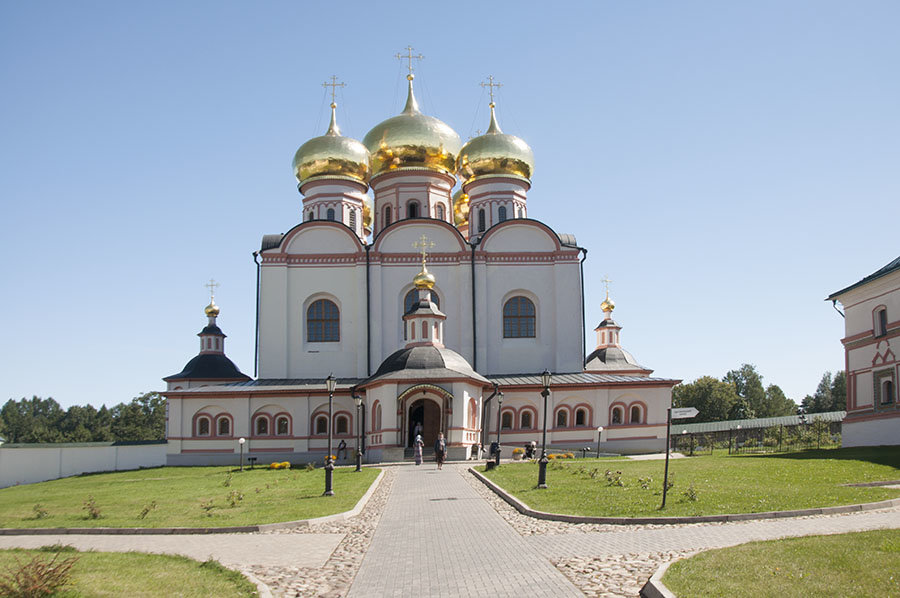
(409, 56)
(606, 281)
(423, 244)
(491, 85)
(333, 85)
(212, 285)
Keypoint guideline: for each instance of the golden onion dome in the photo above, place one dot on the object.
(211, 310)
(424, 279)
(412, 140)
(460, 208)
(495, 154)
(608, 304)
(332, 156)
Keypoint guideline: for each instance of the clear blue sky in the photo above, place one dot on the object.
(727, 164)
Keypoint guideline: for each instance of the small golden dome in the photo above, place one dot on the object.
(495, 154)
(332, 156)
(211, 310)
(424, 280)
(460, 208)
(608, 304)
(412, 140)
(367, 215)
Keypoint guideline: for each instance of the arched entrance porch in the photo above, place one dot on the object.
(427, 406)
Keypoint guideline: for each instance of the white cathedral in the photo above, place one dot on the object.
(432, 309)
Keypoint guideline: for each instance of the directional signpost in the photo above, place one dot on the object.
(677, 413)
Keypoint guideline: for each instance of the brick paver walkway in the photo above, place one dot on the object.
(438, 537)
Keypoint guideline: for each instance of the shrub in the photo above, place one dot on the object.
(234, 497)
(310, 467)
(207, 506)
(552, 456)
(37, 578)
(690, 494)
(285, 465)
(614, 478)
(92, 511)
(40, 512)
(518, 451)
(147, 508)
(227, 481)
(645, 482)
(568, 455)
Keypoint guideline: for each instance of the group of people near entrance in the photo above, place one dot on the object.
(440, 447)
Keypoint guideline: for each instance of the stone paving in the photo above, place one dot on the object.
(443, 533)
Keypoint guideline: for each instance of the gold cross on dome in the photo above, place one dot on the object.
(491, 85)
(606, 281)
(333, 85)
(423, 244)
(409, 56)
(212, 285)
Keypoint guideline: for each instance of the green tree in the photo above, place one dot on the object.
(32, 420)
(777, 404)
(144, 418)
(839, 391)
(713, 398)
(748, 385)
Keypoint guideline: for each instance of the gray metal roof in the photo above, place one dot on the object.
(750, 424)
(299, 384)
(577, 378)
(568, 239)
(891, 267)
(270, 241)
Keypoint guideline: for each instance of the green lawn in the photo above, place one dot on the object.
(721, 484)
(179, 493)
(133, 574)
(859, 565)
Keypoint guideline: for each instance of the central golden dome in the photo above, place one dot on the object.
(460, 207)
(412, 140)
(332, 156)
(495, 154)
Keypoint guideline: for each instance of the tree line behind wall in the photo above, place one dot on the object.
(44, 420)
(740, 394)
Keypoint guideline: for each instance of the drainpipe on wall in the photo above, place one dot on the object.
(368, 318)
(474, 326)
(485, 413)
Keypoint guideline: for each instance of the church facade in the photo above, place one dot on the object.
(435, 310)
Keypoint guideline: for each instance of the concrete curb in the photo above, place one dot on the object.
(655, 588)
(261, 588)
(156, 531)
(526, 510)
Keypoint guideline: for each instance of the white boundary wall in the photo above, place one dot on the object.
(23, 464)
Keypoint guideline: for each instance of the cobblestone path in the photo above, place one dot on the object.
(439, 537)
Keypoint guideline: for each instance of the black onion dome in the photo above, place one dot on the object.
(209, 366)
(425, 362)
(611, 359)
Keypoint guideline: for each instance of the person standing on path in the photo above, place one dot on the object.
(440, 448)
(418, 451)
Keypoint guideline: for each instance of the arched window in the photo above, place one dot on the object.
(526, 420)
(562, 418)
(473, 414)
(341, 425)
(506, 420)
(323, 322)
(881, 321)
(481, 225)
(282, 425)
(224, 426)
(321, 425)
(203, 426)
(353, 220)
(413, 296)
(309, 216)
(617, 415)
(439, 211)
(377, 416)
(581, 417)
(501, 213)
(329, 215)
(424, 330)
(518, 318)
(387, 215)
(887, 392)
(262, 426)
(635, 414)
(412, 209)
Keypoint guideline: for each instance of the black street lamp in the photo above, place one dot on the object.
(499, 419)
(542, 462)
(359, 431)
(330, 383)
(599, 435)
